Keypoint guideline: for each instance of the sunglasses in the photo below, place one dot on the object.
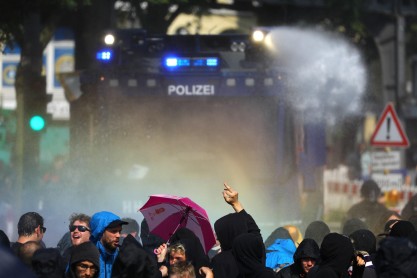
(79, 227)
(43, 229)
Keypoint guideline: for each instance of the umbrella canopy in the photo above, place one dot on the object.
(165, 214)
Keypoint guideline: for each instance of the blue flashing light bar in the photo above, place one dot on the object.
(212, 62)
(104, 55)
(172, 62)
(189, 64)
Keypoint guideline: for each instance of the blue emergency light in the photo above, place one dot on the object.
(189, 64)
(177, 62)
(104, 55)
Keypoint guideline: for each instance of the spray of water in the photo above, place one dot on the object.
(327, 72)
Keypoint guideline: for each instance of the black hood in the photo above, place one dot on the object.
(336, 252)
(228, 227)
(364, 240)
(308, 248)
(86, 251)
(352, 225)
(48, 263)
(317, 230)
(133, 261)
(279, 232)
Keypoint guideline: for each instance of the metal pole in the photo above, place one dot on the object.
(399, 56)
(19, 155)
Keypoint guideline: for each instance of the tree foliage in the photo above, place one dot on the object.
(15, 14)
(30, 25)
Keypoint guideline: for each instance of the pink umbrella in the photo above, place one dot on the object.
(165, 214)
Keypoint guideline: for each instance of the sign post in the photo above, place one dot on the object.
(386, 165)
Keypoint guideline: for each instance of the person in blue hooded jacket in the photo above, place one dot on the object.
(105, 234)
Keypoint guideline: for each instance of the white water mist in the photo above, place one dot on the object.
(326, 71)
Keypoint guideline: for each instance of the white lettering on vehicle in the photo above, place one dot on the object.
(191, 90)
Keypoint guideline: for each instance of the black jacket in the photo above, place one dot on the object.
(396, 257)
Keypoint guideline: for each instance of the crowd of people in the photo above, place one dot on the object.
(373, 242)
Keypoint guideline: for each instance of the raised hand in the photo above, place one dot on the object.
(232, 197)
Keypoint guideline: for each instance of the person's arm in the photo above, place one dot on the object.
(231, 197)
(252, 226)
(160, 253)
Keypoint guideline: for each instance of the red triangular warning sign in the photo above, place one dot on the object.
(388, 131)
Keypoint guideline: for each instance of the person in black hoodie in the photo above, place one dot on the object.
(364, 242)
(84, 261)
(48, 263)
(133, 261)
(336, 255)
(305, 257)
(227, 228)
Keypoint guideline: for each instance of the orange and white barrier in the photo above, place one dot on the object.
(340, 193)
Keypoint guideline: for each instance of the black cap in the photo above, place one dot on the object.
(387, 227)
(402, 228)
(116, 223)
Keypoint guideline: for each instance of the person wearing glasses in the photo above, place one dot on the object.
(79, 228)
(84, 262)
(79, 232)
(29, 228)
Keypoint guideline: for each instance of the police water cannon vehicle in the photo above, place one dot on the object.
(177, 112)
